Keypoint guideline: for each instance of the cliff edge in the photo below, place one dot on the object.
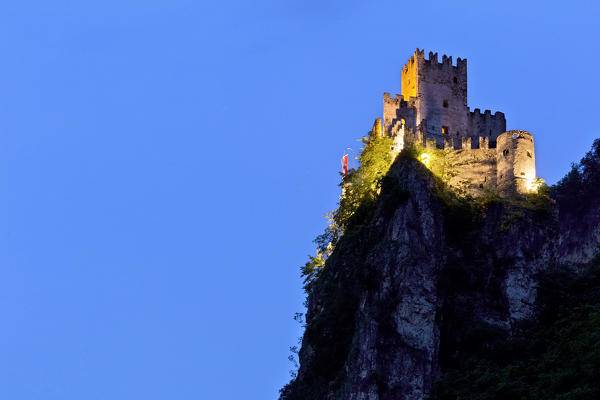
(429, 278)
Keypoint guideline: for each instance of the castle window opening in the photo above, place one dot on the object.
(455, 80)
(529, 154)
(505, 152)
(445, 103)
(444, 130)
(523, 173)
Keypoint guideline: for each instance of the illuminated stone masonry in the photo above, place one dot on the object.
(433, 112)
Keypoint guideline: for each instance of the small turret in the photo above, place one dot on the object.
(516, 163)
(377, 131)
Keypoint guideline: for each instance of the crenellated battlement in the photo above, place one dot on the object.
(418, 55)
(449, 143)
(486, 123)
(399, 100)
(398, 110)
(419, 58)
(476, 113)
(419, 137)
(432, 112)
(439, 89)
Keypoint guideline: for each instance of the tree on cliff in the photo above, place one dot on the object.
(360, 189)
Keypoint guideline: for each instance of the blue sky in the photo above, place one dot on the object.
(165, 166)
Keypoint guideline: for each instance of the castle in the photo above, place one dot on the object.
(432, 112)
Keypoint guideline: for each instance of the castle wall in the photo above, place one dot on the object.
(467, 169)
(409, 76)
(474, 165)
(395, 110)
(486, 124)
(472, 170)
(433, 112)
(516, 162)
(435, 101)
(442, 95)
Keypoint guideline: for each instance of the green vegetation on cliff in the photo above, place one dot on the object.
(556, 358)
(581, 185)
(360, 190)
(376, 253)
(334, 297)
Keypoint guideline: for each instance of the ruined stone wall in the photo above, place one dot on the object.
(469, 165)
(472, 170)
(442, 95)
(396, 109)
(476, 165)
(486, 124)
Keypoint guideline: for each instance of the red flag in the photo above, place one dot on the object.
(345, 169)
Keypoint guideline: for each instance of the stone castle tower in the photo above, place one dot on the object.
(433, 111)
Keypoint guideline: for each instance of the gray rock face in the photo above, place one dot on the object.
(579, 236)
(402, 296)
(401, 336)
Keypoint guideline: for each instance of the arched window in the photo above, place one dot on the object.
(505, 152)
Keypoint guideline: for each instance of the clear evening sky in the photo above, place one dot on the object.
(165, 166)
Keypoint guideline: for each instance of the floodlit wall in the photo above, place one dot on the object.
(434, 100)
(516, 162)
(476, 165)
(486, 124)
(433, 112)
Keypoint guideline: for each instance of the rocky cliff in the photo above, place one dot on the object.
(427, 278)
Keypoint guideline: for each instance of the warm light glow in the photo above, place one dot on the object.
(534, 184)
(425, 159)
